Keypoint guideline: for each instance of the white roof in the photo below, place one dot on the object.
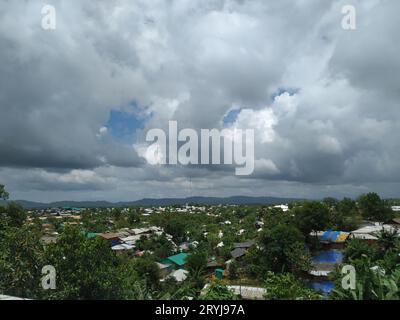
(374, 229)
(363, 236)
(121, 247)
(140, 230)
(251, 293)
(284, 207)
(319, 273)
(179, 275)
(162, 266)
(131, 238)
(318, 233)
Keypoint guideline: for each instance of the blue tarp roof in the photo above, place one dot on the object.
(330, 236)
(325, 287)
(330, 256)
(334, 236)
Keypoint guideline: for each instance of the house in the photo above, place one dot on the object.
(179, 275)
(131, 239)
(369, 233)
(165, 269)
(283, 207)
(177, 261)
(119, 248)
(238, 253)
(213, 264)
(110, 237)
(244, 245)
(90, 235)
(123, 234)
(219, 273)
(332, 239)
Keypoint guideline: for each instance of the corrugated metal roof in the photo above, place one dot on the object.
(238, 252)
(179, 275)
(247, 244)
(179, 259)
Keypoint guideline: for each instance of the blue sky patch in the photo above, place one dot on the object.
(123, 125)
(231, 116)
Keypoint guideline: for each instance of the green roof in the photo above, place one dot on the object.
(91, 235)
(72, 208)
(178, 259)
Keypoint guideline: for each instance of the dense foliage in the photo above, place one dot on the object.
(87, 268)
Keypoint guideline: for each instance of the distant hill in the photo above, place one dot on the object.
(238, 200)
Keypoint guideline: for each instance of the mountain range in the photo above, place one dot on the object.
(235, 200)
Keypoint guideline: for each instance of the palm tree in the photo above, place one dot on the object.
(387, 239)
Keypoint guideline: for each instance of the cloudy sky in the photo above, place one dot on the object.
(77, 101)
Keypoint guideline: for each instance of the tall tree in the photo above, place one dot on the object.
(21, 262)
(345, 216)
(196, 262)
(311, 216)
(15, 214)
(86, 269)
(283, 249)
(216, 290)
(285, 286)
(3, 193)
(374, 208)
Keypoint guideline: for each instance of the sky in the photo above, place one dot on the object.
(76, 102)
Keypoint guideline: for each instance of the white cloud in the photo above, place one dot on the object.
(193, 62)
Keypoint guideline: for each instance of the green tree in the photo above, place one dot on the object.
(283, 249)
(374, 208)
(21, 262)
(285, 286)
(388, 239)
(311, 216)
(216, 290)
(15, 214)
(148, 270)
(86, 269)
(372, 283)
(357, 248)
(331, 202)
(345, 216)
(233, 270)
(196, 262)
(3, 193)
(175, 226)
